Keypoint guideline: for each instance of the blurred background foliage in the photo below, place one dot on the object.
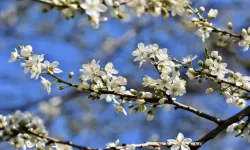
(69, 115)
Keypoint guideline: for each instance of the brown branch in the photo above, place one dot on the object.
(236, 118)
(193, 145)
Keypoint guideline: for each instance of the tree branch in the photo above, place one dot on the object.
(51, 140)
(149, 100)
(237, 117)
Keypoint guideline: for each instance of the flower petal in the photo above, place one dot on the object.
(180, 137)
(175, 147)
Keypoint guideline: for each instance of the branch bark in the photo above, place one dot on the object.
(235, 118)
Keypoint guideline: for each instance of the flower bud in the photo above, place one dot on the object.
(133, 91)
(209, 62)
(202, 9)
(133, 110)
(200, 63)
(209, 90)
(212, 13)
(195, 19)
(140, 101)
(189, 11)
(143, 108)
(116, 4)
(230, 25)
(60, 87)
(150, 116)
(244, 31)
(71, 74)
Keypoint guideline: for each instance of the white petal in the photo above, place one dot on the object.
(101, 8)
(55, 63)
(180, 137)
(173, 141)
(185, 147)
(187, 140)
(175, 147)
(57, 70)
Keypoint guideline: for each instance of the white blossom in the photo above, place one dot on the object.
(52, 67)
(91, 69)
(109, 2)
(138, 6)
(109, 68)
(188, 59)
(180, 143)
(93, 7)
(141, 53)
(178, 6)
(26, 51)
(177, 87)
(34, 65)
(212, 13)
(219, 69)
(14, 56)
(204, 33)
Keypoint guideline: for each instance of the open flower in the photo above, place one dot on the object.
(52, 67)
(26, 51)
(93, 7)
(112, 144)
(180, 143)
(178, 6)
(14, 56)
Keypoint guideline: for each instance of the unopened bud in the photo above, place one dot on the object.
(230, 25)
(71, 74)
(60, 87)
(209, 90)
(140, 101)
(202, 9)
(150, 116)
(189, 11)
(133, 111)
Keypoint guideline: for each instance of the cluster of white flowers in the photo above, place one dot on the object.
(35, 64)
(245, 42)
(205, 27)
(15, 129)
(95, 8)
(23, 130)
(104, 83)
(242, 129)
(96, 79)
(157, 7)
(233, 85)
(170, 80)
